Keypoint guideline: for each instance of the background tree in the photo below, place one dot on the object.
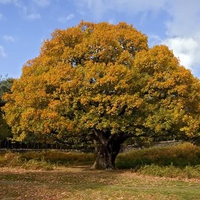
(102, 82)
(5, 86)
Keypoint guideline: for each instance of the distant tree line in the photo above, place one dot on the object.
(34, 145)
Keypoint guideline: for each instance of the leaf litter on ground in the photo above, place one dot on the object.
(78, 183)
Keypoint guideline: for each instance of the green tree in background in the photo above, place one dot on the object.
(101, 82)
(5, 86)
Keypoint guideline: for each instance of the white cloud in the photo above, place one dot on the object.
(42, 3)
(186, 49)
(28, 11)
(33, 16)
(183, 32)
(2, 52)
(5, 1)
(136, 6)
(17, 3)
(99, 7)
(185, 17)
(1, 16)
(65, 19)
(8, 38)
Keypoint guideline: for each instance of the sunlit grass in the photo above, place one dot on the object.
(77, 183)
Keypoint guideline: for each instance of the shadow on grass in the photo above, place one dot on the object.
(56, 184)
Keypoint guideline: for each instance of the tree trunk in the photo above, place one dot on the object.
(107, 147)
(105, 156)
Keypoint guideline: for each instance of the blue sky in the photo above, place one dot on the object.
(25, 24)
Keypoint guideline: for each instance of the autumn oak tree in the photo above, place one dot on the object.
(102, 82)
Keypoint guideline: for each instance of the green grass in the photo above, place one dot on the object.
(154, 174)
(85, 184)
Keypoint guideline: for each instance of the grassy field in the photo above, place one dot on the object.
(81, 183)
(171, 173)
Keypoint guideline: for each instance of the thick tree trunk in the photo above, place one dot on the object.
(107, 149)
(105, 156)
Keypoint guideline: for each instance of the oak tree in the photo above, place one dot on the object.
(102, 82)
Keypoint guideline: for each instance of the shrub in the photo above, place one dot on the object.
(10, 159)
(60, 157)
(36, 165)
(171, 171)
(181, 155)
(44, 158)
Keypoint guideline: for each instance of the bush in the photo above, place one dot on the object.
(11, 159)
(36, 165)
(171, 171)
(181, 155)
(60, 157)
(43, 160)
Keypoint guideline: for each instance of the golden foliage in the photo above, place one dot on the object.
(104, 76)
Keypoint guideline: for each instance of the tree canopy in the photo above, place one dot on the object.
(102, 82)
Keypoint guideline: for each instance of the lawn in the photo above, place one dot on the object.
(81, 183)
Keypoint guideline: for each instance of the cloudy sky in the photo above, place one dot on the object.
(24, 24)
